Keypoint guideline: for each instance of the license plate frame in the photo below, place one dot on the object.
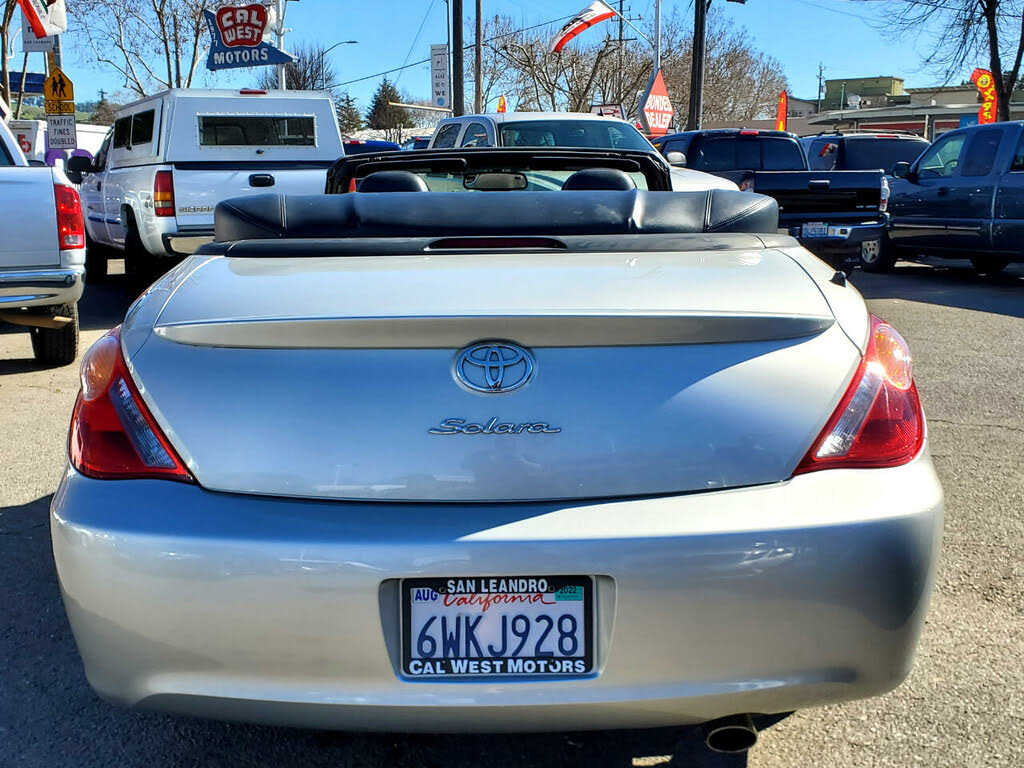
(578, 590)
(814, 229)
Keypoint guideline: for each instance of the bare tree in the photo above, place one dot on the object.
(961, 31)
(6, 17)
(311, 71)
(153, 44)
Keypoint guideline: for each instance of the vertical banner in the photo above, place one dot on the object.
(440, 82)
(502, 104)
(986, 86)
(783, 113)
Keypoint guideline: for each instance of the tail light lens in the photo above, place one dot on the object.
(879, 422)
(70, 225)
(113, 435)
(163, 193)
(883, 200)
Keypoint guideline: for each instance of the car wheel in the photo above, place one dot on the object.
(989, 266)
(57, 346)
(877, 255)
(139, 264)
(96, 259)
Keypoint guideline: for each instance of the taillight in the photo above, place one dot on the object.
(883, 200)
(70, 225)
(879, 422)
(163, 194)
(113, 435)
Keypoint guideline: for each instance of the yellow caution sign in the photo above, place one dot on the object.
(59, 87)
(60, 107)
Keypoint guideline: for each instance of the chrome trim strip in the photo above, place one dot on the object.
(544, 330)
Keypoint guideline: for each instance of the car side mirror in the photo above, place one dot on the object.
(901, 170)
(676, 158)
(79, 165)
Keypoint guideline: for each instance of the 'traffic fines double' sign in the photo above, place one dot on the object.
(656, 108)
(59, 96)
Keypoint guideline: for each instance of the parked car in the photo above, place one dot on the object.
(42, 253)
(833, 213)
(581, 130)
(962, 198)
(361, 146)
(862, 150)
(416, 142)
(170, 158)
(600, 457)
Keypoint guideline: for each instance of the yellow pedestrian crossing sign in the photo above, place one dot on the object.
(59, 86)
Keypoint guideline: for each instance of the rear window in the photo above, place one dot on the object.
(573, 133)
(446, 136)
(872, 154)
(122, 132)
(747, 153)
(256, 131)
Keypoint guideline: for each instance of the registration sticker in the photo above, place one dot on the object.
(487, 626)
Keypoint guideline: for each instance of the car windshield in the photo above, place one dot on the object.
(747, 153)
(869, 154)
(599, 134)
(536, 181)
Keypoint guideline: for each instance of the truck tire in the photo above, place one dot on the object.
(877, 258)
(989, 266)
(57, 346)
(96, 259)
(139, 264)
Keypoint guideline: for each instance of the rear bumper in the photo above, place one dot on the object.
(841, 235)
(186, 243)
(765, 599)
(41, 287)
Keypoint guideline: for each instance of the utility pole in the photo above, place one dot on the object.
(478, 94)
(619, 99)
(282, 69)
(458, 76)
(821, 72)
(657, 33)
(693, 116)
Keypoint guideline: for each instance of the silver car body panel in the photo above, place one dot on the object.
(767, 599)
(655, 373)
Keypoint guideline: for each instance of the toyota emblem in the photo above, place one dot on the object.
(493, 367)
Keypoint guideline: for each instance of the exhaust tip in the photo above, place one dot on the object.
(732, 734)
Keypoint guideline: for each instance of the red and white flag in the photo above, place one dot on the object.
(594, 13)
(46, 17)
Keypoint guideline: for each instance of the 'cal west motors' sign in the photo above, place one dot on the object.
(236, 38)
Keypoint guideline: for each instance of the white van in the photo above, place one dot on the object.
(170, 158)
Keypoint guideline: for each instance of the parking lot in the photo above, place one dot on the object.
(962, 706)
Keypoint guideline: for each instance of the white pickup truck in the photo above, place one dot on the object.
(170, 158)
(42, 253)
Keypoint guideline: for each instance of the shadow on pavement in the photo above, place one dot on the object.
(103, 305)
(947, 283)
(50, 716)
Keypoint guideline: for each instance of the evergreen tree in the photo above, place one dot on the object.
(350, 119)
(103, 113)
(384, 117)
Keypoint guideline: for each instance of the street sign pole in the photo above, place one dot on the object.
(458, 76)
(693, 115)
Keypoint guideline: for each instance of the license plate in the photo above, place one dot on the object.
(487, 626)
(814, 230)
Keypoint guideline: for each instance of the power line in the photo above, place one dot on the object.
(417, 38)
(465, 48)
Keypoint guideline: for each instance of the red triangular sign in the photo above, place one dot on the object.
(656, 108)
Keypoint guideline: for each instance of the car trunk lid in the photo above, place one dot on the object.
(338, 377)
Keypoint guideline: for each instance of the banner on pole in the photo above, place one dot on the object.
(45, 17)
(236, 38)
(986, 86)
(594, 13)
(440, 82)
(782, 116)
(656, 109)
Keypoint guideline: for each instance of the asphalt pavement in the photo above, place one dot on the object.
(963, 704)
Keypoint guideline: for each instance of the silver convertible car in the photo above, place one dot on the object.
(598, 457)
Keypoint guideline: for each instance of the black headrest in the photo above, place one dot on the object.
(599, 178)
(393, 181)
(455, 214)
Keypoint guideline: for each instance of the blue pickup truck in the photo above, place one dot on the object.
(962, 198)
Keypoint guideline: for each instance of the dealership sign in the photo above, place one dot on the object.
(656, 107)
(986, 86)
(236, 38)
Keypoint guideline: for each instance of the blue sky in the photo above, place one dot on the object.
(844, 36)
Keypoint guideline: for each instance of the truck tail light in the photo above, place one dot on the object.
(70, 225)
(163, 193)
(883, 200)
(879, 422)
(113, 435)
